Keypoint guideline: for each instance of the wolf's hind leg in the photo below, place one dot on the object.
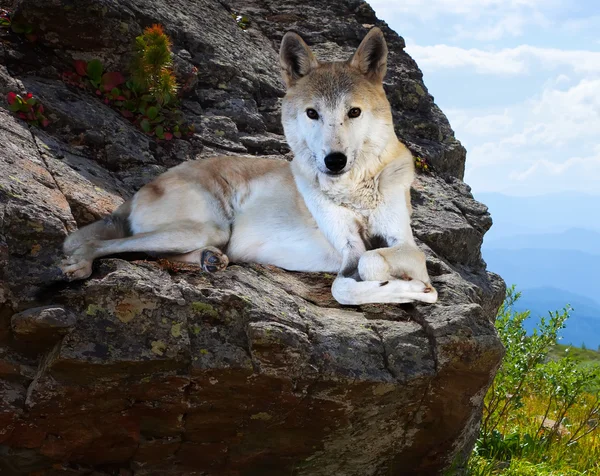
(210, 258)
(78, 261)
(178, 240)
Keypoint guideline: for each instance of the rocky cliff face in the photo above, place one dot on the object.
(154, 368)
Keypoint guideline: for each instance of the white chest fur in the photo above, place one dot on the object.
(362, 197)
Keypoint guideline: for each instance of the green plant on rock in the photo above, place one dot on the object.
(422, 164)
(93, 72)
(242, 20)
(152, 68)
(23, 29)
(28, 108)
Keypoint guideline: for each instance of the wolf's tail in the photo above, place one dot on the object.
(114, 226)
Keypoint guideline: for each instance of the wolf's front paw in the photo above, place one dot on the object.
(213, 259)
(78, 263)
(416, 290)
(429, 295)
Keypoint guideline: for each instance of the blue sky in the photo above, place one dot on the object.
(520, 83)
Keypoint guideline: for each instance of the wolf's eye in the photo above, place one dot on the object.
(354, 112)
(312, 114)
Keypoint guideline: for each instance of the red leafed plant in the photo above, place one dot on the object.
(149, 99)
(92, 73)
(27, 108)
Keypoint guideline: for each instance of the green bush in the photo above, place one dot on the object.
(540, 415)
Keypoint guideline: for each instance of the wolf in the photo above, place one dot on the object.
(342, 205)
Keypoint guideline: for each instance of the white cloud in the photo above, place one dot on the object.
(560, 79)
(510, 25)
(544, 167)
(576, 173)
(508, 61)
(473, 8)
(548, 143)
(559, 117)
(575, 25)
(480, 125)
(482, 20)
(438, 57)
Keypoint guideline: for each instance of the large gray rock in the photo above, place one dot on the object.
(159, 369)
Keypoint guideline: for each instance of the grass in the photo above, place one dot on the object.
(585, 356)
(537, 456)
(586, 359)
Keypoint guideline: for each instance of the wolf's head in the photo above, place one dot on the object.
(335, 115)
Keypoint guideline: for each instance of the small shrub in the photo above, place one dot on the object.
(152, 69)
(28, 108)
(242, 20)
(422, 165)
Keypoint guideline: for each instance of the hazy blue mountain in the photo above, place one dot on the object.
(568, 270)
(541, 214)
(555, 299)
(578, 239)
(582, 327)
(549, 247)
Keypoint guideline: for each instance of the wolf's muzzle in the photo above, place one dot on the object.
(336, 161)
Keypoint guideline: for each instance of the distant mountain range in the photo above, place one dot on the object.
(569, 270)
(583, 326)
(541, 214)
(580, 239)
(549, 247)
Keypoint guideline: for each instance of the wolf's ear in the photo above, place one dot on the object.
(296, 58)
(371, 56)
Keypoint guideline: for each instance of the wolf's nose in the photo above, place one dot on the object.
(336, 161)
